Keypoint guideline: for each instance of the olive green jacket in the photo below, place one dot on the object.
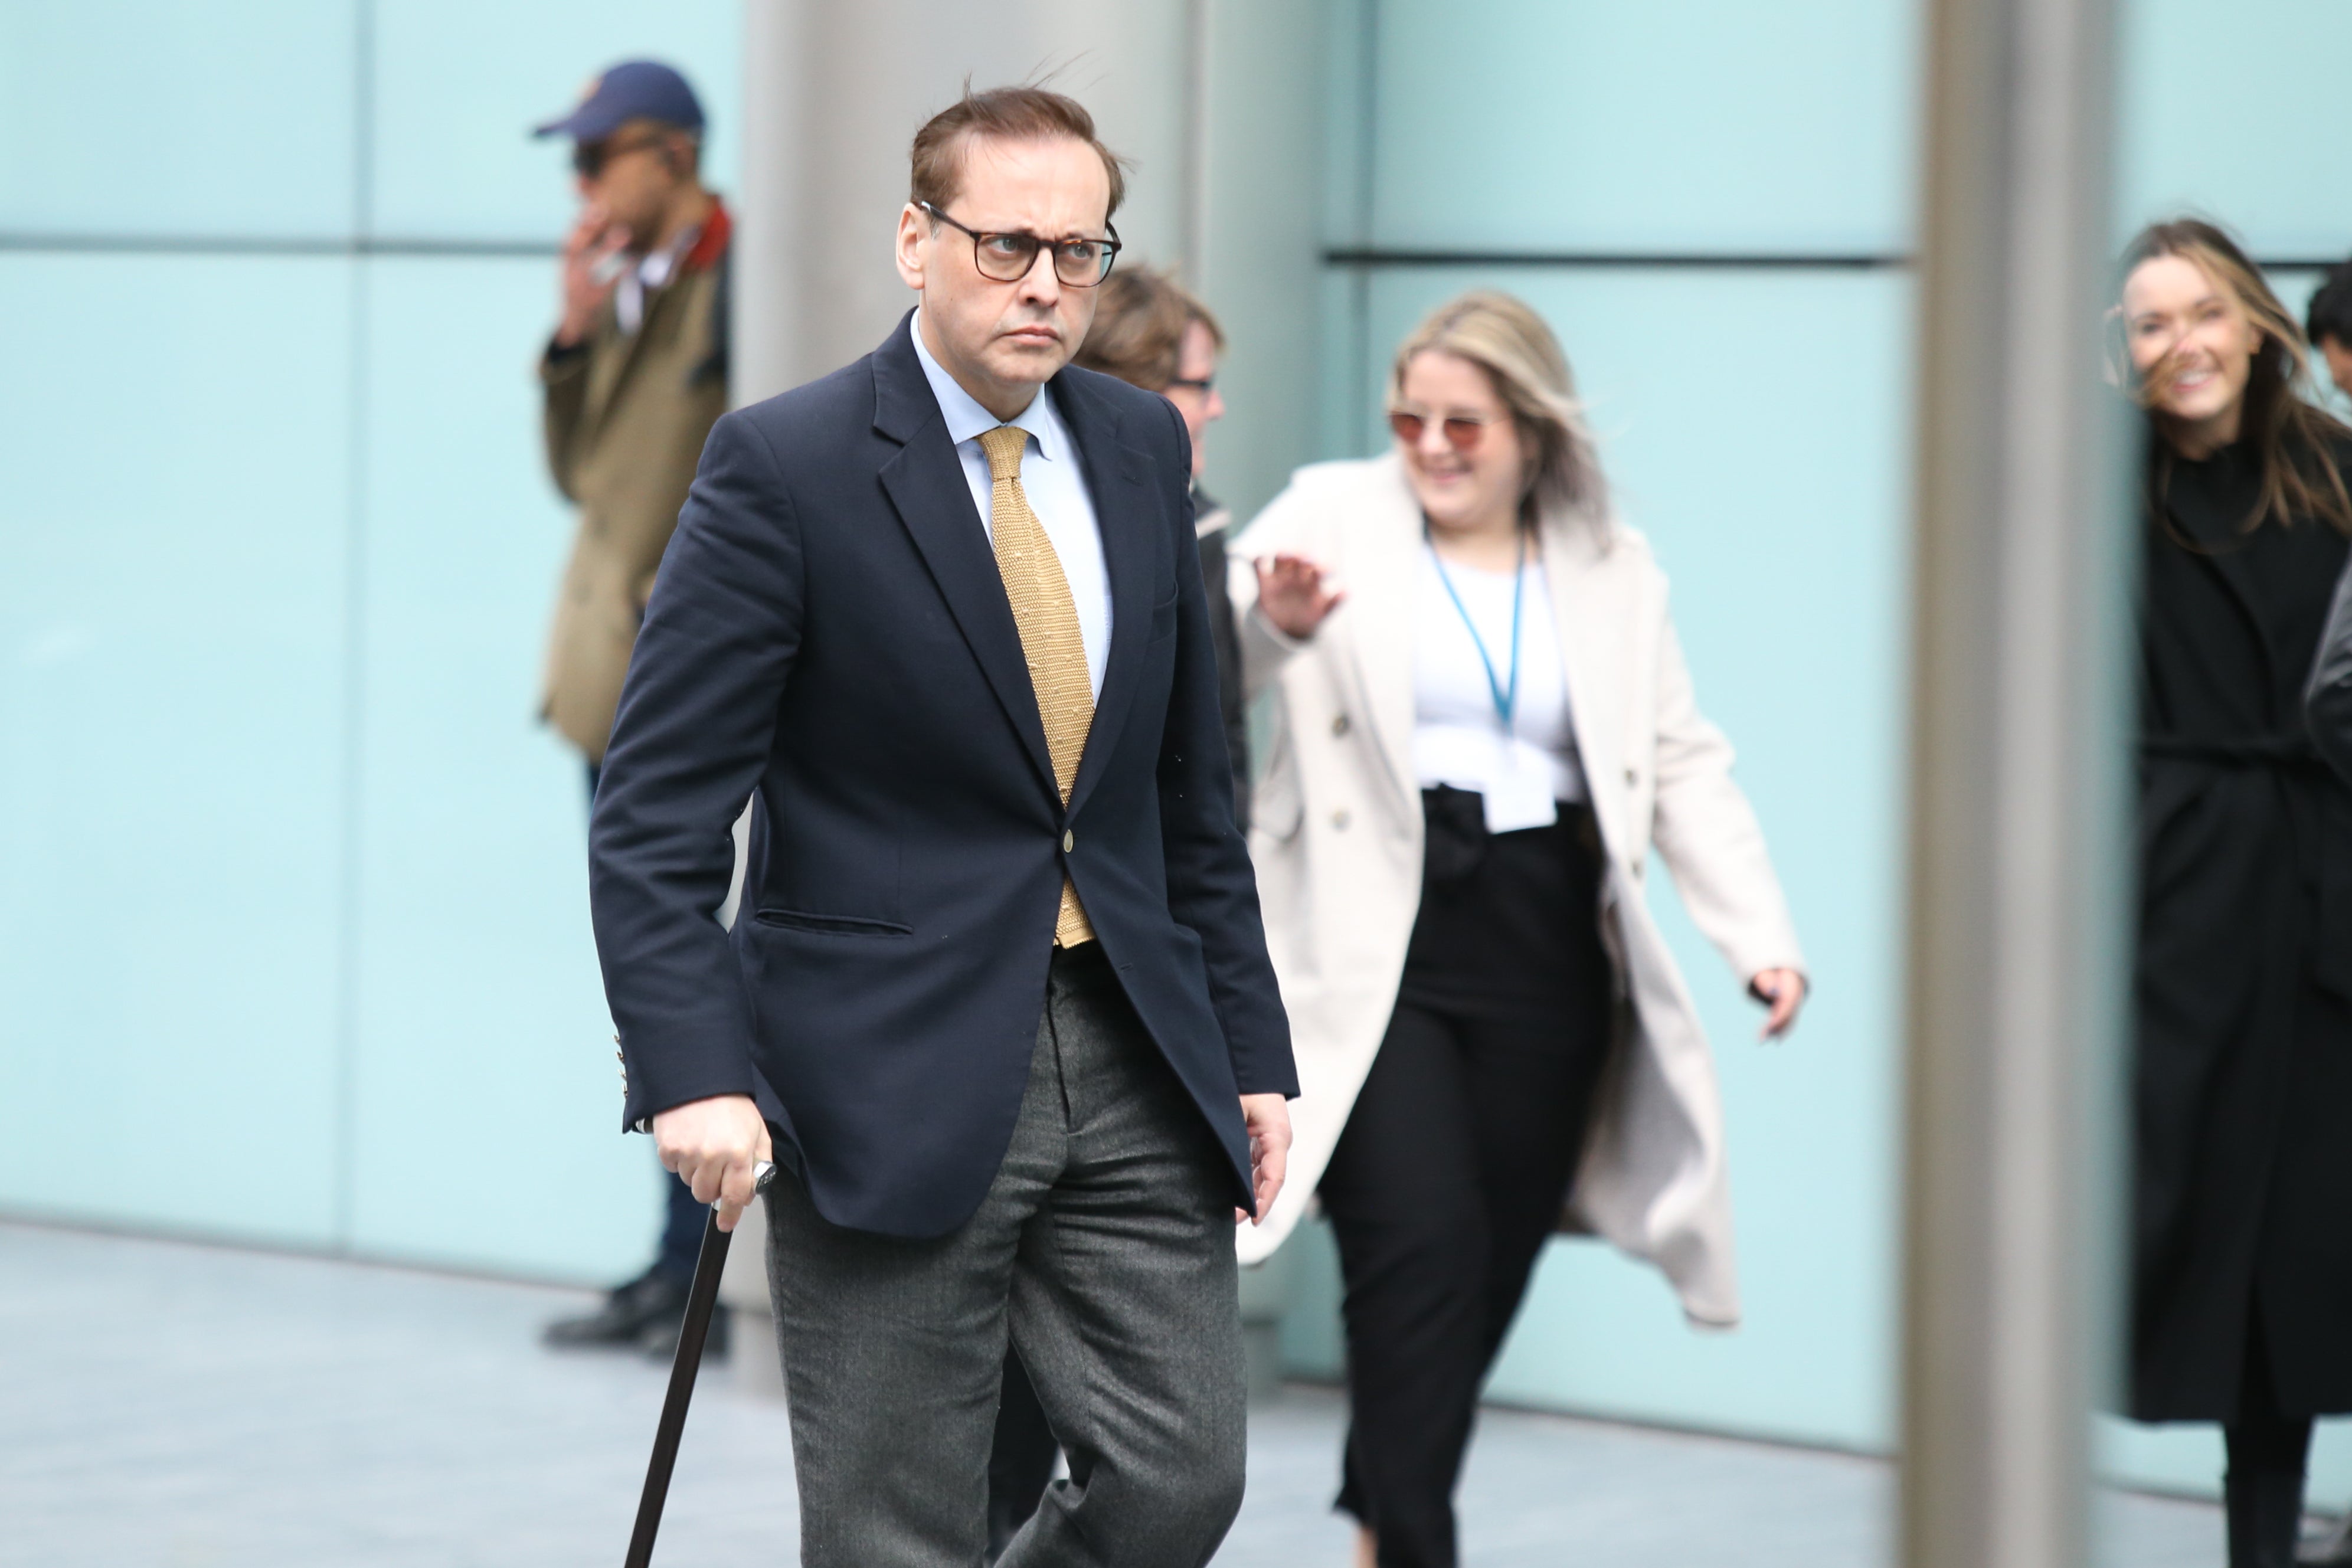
(626, 418)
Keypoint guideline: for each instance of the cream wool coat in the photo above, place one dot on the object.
(1337, 838)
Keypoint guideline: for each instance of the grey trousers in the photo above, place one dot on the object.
(1105, 1249)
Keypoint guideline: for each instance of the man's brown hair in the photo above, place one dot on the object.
(1012, 114)
(1138, 335)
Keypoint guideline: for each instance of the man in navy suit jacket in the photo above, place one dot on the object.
(994, 1125)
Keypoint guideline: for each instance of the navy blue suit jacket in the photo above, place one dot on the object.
(828, 629)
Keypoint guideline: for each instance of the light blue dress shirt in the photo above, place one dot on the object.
(1056, 489)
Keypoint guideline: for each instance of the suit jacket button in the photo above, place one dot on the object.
(1339, 819)
(1339, 724)
(1069, 842)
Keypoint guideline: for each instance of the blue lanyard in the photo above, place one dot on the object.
(1506, 699)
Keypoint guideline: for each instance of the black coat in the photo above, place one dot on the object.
(830, 630)
(1212, 522)
(2242, 1191)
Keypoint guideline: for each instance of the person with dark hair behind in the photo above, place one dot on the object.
(635, 374)
(2242, 1266)
(2327, 323)
(1149, 333)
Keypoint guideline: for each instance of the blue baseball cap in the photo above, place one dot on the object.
(634, 90)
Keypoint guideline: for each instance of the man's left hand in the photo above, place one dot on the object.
(1267, 1117)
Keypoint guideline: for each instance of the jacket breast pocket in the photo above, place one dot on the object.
(831, 925)
(1163, 618)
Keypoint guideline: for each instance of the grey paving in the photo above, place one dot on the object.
(178, 1406)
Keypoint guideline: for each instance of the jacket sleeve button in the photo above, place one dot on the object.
(1339, 724)
(1339, 819)
(1633, 777)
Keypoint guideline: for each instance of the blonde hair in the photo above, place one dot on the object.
(1502, 336)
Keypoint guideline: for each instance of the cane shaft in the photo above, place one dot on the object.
(699, 1302)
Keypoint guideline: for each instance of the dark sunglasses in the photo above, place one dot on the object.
(1007, 257)
(589, 158)
(1462, 432)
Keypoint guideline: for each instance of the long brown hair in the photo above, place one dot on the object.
(2293, 438)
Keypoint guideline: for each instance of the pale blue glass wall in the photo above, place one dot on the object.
(1706, 199)
(293, 944)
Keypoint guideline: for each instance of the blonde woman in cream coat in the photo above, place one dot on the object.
(1486, 735)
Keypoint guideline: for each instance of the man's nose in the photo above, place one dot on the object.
(1041, 282)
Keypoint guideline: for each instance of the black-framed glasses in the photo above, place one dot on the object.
(1007, 257)
(589, 158)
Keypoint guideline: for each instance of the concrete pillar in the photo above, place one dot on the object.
(2018, 811)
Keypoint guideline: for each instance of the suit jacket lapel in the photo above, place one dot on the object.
(925, 482)
(1119, 482)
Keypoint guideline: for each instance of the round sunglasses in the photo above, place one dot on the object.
(1462, 432)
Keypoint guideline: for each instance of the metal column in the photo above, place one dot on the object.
(2019, 711)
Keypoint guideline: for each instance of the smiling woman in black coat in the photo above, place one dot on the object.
(2242, 1303)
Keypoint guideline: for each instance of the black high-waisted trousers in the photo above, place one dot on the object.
(1459, 1150)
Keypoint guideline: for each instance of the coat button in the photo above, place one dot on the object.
(1339, 819)
(1631, 777)
(1069, 842)
(1339, 724)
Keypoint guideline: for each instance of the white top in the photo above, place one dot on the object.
(648, 276)
(1459, 737)
(1056, 489)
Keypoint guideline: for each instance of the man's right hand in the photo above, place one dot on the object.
(714, 1145)
(588, 251)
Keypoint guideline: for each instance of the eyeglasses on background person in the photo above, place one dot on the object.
(1006, 257)
(1462, 431)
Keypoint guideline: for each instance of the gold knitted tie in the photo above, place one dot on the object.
(1047, 618)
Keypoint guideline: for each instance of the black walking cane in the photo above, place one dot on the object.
(699, 1301)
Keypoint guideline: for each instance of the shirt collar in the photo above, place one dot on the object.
(967, 420)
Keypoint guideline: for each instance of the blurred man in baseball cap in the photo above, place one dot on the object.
(635, 374)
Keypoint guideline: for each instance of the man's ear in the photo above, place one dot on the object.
(909, 252)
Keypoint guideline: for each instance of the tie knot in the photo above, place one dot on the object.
(1004, 445)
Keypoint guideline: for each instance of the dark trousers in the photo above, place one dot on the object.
(1456, 1158)
(681, 1237)
(2262, 1493)
(1019, 1459)
(1104, 1253)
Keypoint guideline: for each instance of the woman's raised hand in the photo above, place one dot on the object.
(1293, 594)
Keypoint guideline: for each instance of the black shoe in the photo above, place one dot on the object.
(659, 1341)
(628, 1311)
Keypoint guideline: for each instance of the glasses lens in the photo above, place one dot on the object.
(1464, 434)
(1081, 262)
(1006, 258)
(1407, 426)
